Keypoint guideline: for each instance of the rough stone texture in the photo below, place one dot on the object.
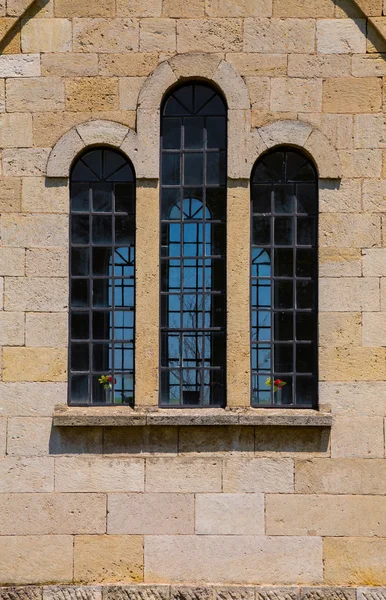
(341, 37)
(339, 329)
(105, 35)
(69, 65)
(85, 93)
(46, 329)
(230, 514)
(136, 592)
(15, 130)
(26, 475)
(47, 35)
(44, 195)
(352, 364)
(349, 294)
(355, 561)
(340, 262)
(340, 476)
(39, 364)
(352, 95)
(158, 34)
(46, 262)
(30, 558)
(183, 475)
(340, 197)
(10, 194)
(373, 329)
(349, 230)
(155, 514)
(84, 8)
(311, 65)
(258, 475)
(72, 593)
(215, 35)
(296, 94)
(26, 65)
(141, 441)
(279, 35)
(219, 440)
(232, 559)
(52, 514)
(99, 474)
(21, 593)
(357, 437)
(108, 558)
(35, 294)
(34, 231)
(296, 514)
(35, 94)
(361, 163)
(354, 399)
(27, 162)
(98, 132)
(11, 329)
(39, 399)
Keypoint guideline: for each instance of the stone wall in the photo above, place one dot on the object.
(282, 506)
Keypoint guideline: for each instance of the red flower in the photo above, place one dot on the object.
(109, 379)
(279, 382)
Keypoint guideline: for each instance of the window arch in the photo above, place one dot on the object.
(284, 267)
(193, 239)
(102, 294)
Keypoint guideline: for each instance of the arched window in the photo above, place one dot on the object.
(102, 244)
(193, 239)
(284, 194)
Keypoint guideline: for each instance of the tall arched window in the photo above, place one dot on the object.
(193, 239)
(284, 194)
(102, 244)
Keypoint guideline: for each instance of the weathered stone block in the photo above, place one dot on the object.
(279, 35)
(239, 8)
(349, 294)
(181, 9)
(72, 593)
(35, 94)
(129, 88)
(136, 592)
(233, 559)
(48, 127)
(259, 91)
(142, 440)
(311, 65)
(3, 436)
(371, 593)
(277, 593)
(39, 399)
(349, 231)
(27, 162)
(354, 398)
(39, 364)
(46, 330)
(36, 559)
(325, 515)
(26, 65)
(354, 561)
(183, 475)
(40, 195)
(338, 329)
(105, 35)
(46, 35)
(215, 440)
(36, 294)
(11, 329)
(158, 35)
(215, 35)
(52, 514)
(291, 441)
(340, 476)
(368, 65)
(26, 474)
(34, 230)
(339, 130)
(340, 262)
(352, 95)
(157, 514)
(230, 514)
(258, 475)
(84, 8)
(352, 364)
(374, 329)
(99, 474)
(302, 9)
(108, 558)
(12, 261)
(374, 262)
(69, 65)
(353, 437)
(46, 262)
(10, 194)
(343, 36)
(134, 64)
(369, 131)
(328, 593)
(254, 65)
(361, 163)
(340, 197)
(92, 93)
(374, 194)
(21, 593)
(295, 94)
(15, 130)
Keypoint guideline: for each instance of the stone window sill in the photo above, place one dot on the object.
(117, 416)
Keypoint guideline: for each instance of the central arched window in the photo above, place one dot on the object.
(193, 239)
(102, 213)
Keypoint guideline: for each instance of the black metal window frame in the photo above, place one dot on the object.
(272, 332)
(102, 279)
(202, 260)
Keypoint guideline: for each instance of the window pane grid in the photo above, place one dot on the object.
(102, 280)
(284, 281)
(193, 187)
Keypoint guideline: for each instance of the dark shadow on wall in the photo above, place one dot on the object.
(228, 440)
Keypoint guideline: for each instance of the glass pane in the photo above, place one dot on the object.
(284, 198)
(305, 294)
(101, 197)
(101, 325)
(283, 294)
(102, 293)
(306, 232)
(284, 326)
(215, 168)
(80, 232)
(80, 326)
(216, 202)
(193, 132)
(124, 230)
(79, 357)
(261, 231)
(101, 230)
(171, 169)
(305, 263)
(284, 358)
(170, 204)
(102, 358)
(80, 197)
(79, 389)
(102, 261)
(306, 195)
(124, 197)
(305, 391)
(262, 198)
(193, 168)
(283, 231)
(261, 262)
(216, 132)
(304, 359)
(80, 261)
(284, 262)
(171, 133)
(79, 293)
(305, 326)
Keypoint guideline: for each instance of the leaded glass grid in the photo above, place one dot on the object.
(284, 264)
(102, 286)
(193, 241)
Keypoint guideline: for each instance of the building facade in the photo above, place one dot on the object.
(193, 297)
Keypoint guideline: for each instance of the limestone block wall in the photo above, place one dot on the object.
(242, 505)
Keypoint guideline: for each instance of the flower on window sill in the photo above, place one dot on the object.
(277, 384)
(106, 381)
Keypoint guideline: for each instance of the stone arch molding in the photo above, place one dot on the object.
(244, 145)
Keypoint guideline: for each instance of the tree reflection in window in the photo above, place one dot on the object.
(102, 260)
(193, 205)
(284, 194)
